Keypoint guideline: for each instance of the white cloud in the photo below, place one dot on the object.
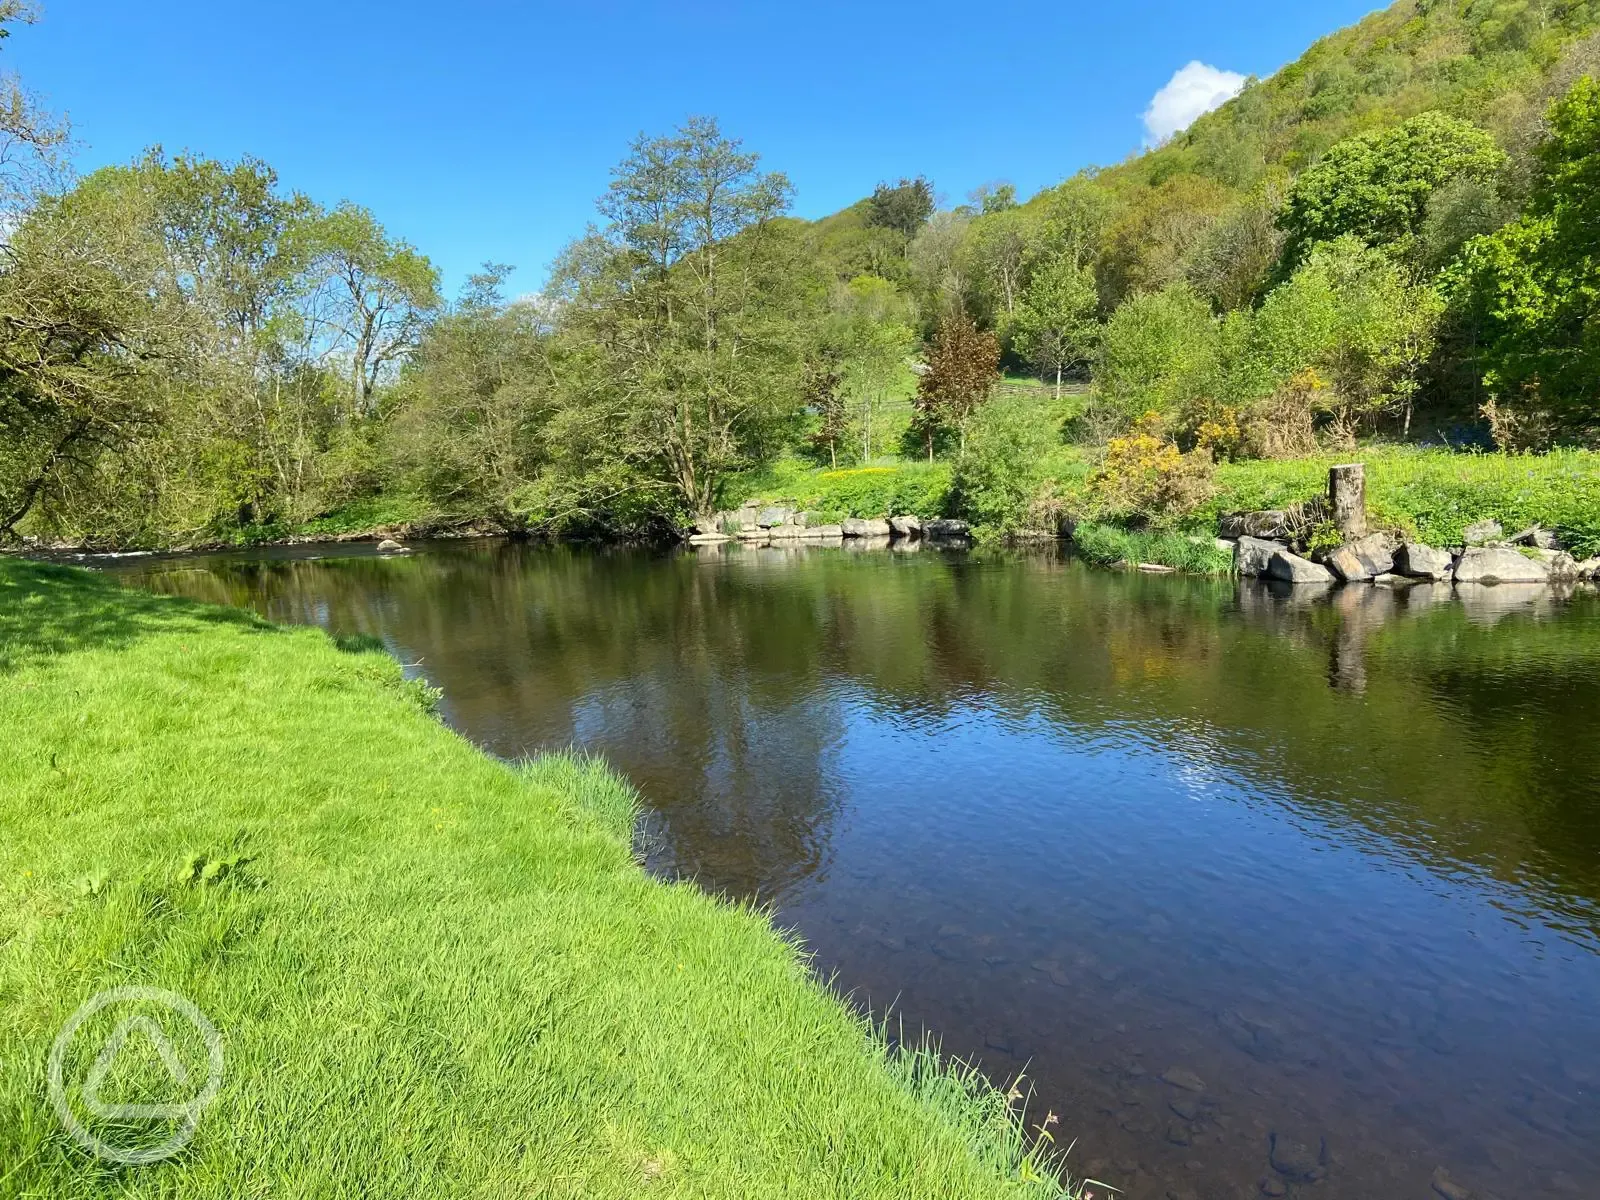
(1192, 91)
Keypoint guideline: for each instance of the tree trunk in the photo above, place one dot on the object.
(1347, 494)
(1058, 383)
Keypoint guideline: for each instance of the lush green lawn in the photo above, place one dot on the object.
(434, 974)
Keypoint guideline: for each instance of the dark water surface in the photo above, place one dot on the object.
(1335, 857)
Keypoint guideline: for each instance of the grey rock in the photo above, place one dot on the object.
(1252, 554)
(1298, 1160)
(1177, 1134)
(1185, 1106)
(1157, 569)
(822, 533)
(708, 539)
(1271, 1185)
(390, 546)
(1561, 565)
(1182, 1077)
(1589, 568)
(1422, 562)
(1363, 558)
(1291, 568)
(787, 532)
(1447, 1187)
(1538, 537)
(945, 530)
(1266, 523)
(1346, 564)
(768, 518)
(1481, 532)
(1392, 580)
(1499, 564)
(857, 527)
(1224, 544)
(905, 526)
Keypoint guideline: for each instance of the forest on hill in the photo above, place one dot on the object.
(1396, 236)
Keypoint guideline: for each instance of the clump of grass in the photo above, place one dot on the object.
(434, 973)
(1106, 545)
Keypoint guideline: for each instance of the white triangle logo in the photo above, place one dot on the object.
(108, 1055)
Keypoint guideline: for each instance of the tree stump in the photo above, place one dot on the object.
(1347, 496)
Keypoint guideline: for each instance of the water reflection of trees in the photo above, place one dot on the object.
(1454, 728)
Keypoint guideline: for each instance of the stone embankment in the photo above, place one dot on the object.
(765, 524)
(1272, 544)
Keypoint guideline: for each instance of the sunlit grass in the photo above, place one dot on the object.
(436, 974)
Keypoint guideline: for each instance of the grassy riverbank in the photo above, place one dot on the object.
(435, 974)
(1430, 494)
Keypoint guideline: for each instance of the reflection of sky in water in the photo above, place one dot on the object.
(1341, 857)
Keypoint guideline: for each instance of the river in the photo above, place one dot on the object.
(1216, 868)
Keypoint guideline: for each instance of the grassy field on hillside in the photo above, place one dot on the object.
(434, 973)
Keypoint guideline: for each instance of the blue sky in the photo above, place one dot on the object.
(482, 130)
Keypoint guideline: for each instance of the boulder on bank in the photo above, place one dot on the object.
(771, 518)
(1563, 568)
(905, 526)
(1252, 554)
(821, 533)
(858, 527)
(1538, 537)
(1422, 562)
(946, 530)
(1291, 568)
(1499, 564)
(1270, 523)
(1364, 558)
(1480, 533)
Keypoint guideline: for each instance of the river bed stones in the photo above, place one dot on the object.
(1296, 1160)
(1182, 1077)
(1481, 533)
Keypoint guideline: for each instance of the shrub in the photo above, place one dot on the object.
(1146, 479)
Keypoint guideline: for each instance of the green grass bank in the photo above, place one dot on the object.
(1429, 494)
(434, 973)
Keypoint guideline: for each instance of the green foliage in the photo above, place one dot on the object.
(1377, 186)
(1536, 283)
(1153, 354)
(680, 353)
(903, 207)
(1000, 474)
(1056, 326)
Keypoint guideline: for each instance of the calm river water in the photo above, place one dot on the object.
(1328, 862)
